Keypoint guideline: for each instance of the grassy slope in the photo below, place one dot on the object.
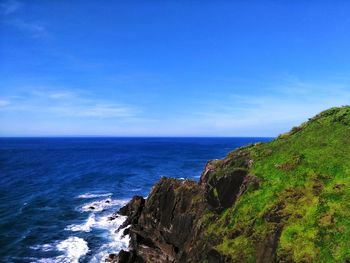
(306, 182)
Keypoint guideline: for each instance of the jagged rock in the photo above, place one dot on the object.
(166, 223)
(245, 204)
(223, 180)
(215, 257)
(222, 192)
(208, 169)
(163, 228)
(132, 210)
(249, 181)
(112, 257)
(166, 227)
(266, 249)
(124, 257)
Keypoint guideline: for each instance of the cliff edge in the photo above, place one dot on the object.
(287, 200)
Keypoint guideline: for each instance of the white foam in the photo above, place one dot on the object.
(85, 227)
(91, 195)
(117, 241)
(73, 249)
(98, 206)
(110, 221)
(47, 260)
(45, 247)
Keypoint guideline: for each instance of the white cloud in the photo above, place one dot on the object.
(61, 95)
(281, 107)
(66, 103)
(4, 103)
(57, 94)
(274, 112)
(98, 110)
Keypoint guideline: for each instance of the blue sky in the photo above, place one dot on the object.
(170, 68)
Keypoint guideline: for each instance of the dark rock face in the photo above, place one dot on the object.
(168, 226)
(163, 228)
(124, 257)
(132, 210)
(266, 250)
(221, 191)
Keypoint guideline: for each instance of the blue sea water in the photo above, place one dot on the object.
(48, 187)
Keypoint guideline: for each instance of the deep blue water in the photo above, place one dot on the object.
(48, 186)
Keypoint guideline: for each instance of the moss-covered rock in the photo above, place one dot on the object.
(287, 200)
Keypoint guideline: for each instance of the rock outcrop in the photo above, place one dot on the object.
(282, 201)
(169, 226)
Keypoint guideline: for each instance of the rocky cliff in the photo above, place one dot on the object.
(282, 201)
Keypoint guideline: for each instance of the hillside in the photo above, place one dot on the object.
(287, 200)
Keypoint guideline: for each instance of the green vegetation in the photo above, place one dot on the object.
(303, 196)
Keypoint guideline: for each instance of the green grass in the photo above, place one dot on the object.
(306, 181)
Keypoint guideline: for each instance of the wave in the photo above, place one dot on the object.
(108, 222)
(85, 227)
(117, 239)
(92, 195)
(98, 206)
(73, 249)
(136, 189)
(45, 247)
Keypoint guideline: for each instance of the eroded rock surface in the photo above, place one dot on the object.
(169, 227)
(281, 201)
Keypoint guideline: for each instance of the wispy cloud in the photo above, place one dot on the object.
(34, 28)
(58, 94)
(61, 95)
(9, 7)
(284, 105)
(66, 103)
(9, 10)
(280, 106)
(4, 103)
(98, 110)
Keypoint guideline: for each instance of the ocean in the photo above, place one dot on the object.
(56, 194)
